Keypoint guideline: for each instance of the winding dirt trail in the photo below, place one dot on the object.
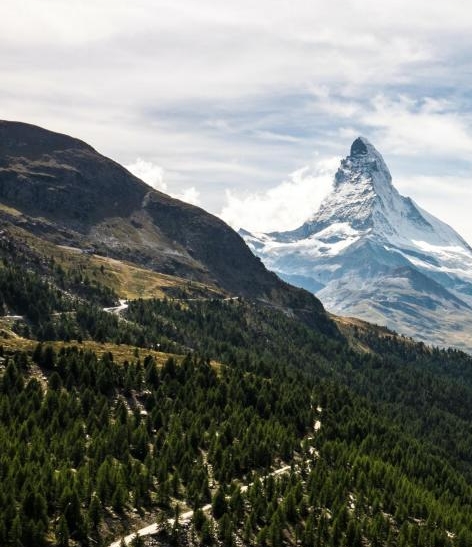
(152, 529)
(117, 309)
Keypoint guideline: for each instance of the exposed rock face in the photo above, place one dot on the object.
(62, 178)
(359, 147)
(372, 253)
(62, 189)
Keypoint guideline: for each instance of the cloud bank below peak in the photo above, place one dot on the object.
(284, 206)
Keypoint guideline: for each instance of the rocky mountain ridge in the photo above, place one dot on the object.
(63, 191)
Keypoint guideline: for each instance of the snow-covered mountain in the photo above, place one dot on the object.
(371, 253)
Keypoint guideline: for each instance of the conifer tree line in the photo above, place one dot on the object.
(87, 442)
(103, 437)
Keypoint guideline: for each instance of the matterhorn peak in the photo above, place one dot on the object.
(370, 252)
(360, 147)
(364, 163)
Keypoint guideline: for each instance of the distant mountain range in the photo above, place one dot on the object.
(371, 253)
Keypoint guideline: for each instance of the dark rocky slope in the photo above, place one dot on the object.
(65, 191)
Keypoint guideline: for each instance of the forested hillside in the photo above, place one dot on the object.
(373, 445)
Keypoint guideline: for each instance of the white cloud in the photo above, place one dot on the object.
(153, 175)
(189, 195)
(272, 136)
(401, 125)
(285, 206)
(420, 126)
(148, 172)
(158, 52)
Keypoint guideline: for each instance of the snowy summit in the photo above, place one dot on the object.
(372, 253)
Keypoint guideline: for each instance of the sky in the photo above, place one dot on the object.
(246, 107)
